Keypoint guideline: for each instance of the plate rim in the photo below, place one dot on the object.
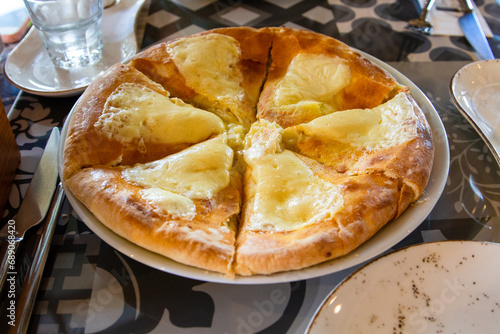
(381, 258)
(347, 261)
(463, 110)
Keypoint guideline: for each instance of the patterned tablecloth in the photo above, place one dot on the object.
(89, 287)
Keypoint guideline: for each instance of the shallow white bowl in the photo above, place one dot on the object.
(476, 92)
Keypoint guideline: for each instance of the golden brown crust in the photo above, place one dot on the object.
(206, 241)
(370, 85)
(372, 196)
(362, 215)
(397, 175)
(410, 161)
(86, 147)
(413, 161)
(157, 63)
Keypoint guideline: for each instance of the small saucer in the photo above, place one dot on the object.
(30, 69)
(476, 91)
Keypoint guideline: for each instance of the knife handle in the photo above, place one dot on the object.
(8, 250)
(427, 7)
(29, 291)
(467, 6)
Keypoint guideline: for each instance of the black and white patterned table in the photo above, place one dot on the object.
(89, 287)
(374, 26)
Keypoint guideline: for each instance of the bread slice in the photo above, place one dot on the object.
(221, 70)
(312, 75)
(183, 206)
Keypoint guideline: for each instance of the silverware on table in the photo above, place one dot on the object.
(34, 207)
(24, 306)
(473, 31)
(421, 24)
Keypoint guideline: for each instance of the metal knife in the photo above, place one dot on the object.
(34, 207)
(473, 31)
(27, 299)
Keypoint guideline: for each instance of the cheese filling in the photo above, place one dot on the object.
(387, 125)
(198, 172)
(311, 84)
(209, 64)
(177, 205)
(137, 113)
(288, 195)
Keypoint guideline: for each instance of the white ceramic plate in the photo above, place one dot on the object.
(384, 239)
(442, 287)
(30, 69)
(476, 90)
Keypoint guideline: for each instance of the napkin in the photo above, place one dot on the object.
(444, 17)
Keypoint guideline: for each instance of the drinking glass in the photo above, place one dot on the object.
(71, 30)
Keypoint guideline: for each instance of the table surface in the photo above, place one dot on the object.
(89, 287)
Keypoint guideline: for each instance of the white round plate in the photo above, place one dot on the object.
(384, 239)
(441, 287)
(30, 69)
(476, 91)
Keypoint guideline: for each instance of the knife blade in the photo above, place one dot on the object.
(473, 31)
(33, 208)
(27, 299)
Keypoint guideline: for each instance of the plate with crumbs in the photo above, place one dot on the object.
(439, 287)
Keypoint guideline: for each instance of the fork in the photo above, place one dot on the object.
(421, 24)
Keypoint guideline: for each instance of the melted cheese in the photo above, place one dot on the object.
(387, 125)
(134, 113)
(311, 84)
(288, 195)
(209, 64)
(176, 205)
(198, 172)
